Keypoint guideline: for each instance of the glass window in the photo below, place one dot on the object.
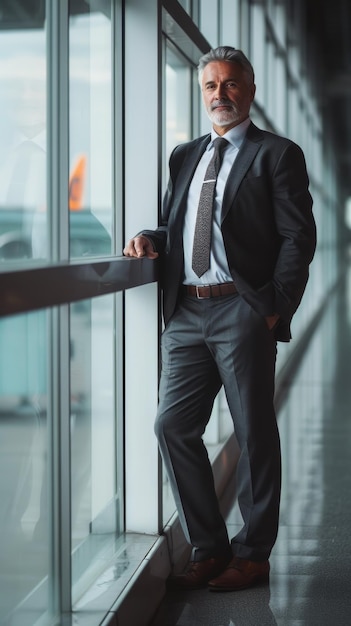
(90, 84)
(95, 486)
(186, 4)
(178, 101)
(178, 116)
(23, 131)
(209, 13)
(26, 544)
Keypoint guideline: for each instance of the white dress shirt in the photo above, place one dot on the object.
(218, 271)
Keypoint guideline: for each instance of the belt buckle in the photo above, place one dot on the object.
(197, 287)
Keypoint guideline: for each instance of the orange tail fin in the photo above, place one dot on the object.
(76, 185)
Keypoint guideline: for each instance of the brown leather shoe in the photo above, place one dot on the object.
(198, 573)
(241, 574)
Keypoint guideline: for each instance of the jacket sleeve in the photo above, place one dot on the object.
(296, 227)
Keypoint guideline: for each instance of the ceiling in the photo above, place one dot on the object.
(329, 26)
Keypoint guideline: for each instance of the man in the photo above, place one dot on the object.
(222, 320)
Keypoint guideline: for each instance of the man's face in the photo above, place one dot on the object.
(227, 94)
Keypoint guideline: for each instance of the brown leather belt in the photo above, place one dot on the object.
(209, 291)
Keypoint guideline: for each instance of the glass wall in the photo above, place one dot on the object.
(23, 127)
(23, 146)
(90, 137)
(284, 104)
(61, 438)
(26, 541)
(96, 516)
(178, 107)
(178, 101)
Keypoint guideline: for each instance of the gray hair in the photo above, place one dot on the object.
(226, 53)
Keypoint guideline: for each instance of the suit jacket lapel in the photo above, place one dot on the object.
(246, 155)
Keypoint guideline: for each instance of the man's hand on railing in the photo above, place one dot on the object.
(140, 246)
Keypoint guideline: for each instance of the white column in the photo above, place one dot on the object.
(142, 159)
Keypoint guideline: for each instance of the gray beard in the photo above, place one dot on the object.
(223, 118)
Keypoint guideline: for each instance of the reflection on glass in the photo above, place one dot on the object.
(25, 544)
(178, 100)
(95, 523)
(178, 105)
(185, 4)
(90, 186)
(22, 132)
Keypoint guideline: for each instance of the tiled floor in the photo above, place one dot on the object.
(310, 583)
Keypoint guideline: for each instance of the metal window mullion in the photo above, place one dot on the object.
(58, 246)
(117, 126)
(63, 419)
(61, 455)
(118, 239)
(58, 130)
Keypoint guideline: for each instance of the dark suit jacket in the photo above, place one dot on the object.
(267, 224)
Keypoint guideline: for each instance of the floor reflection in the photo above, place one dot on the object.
(201, 608)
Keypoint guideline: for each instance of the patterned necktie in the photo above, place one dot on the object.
(203, 226)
